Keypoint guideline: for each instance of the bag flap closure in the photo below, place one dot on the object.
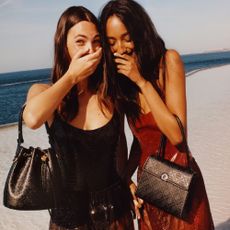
(169, 172)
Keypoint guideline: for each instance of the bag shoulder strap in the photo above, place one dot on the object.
(20, 139)
(184, 141)
(163, 141)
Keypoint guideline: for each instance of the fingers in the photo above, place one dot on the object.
(95, 58)
(122, 70)
(138, 206)
(84, 64)
(80, 53)
(136, 201)
(121, 61)
(86, 56)
(95, 55)
(123, 56)
(137, 212)
(140, 201)
(123, 66)
(92, 60)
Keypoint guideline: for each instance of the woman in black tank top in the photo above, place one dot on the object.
(85, 128)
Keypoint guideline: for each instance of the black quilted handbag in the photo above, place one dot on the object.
(34, 179)
(165, 184)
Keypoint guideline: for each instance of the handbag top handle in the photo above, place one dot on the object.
(20, 139)
(161, 149)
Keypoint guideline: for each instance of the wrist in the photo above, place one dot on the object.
(71, 78)
(141, 83)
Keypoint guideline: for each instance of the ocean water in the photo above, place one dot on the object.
(14, 86)
(196, 62)
(13, 89)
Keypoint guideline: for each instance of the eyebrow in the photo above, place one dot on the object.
(97, 35)
(84, 36)
(123, 35)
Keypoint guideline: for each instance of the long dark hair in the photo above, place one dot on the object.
(69, 18)
(148, 46)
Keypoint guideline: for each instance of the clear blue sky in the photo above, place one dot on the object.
(27, 27)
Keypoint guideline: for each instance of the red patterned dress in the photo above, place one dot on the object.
(148, 135)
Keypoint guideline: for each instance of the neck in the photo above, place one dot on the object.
(82, 87)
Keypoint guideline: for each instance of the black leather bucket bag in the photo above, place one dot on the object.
(34, 178)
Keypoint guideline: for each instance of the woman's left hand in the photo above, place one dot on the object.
(127, 65)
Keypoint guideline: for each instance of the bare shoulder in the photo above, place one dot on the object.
(36, 89)
(39, 87)
(174, 65)
(173, 58)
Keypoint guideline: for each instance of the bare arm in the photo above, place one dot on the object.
(175, 98)
(43, 101)
(175, 95)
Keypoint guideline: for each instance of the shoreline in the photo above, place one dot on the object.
(187, 75)
(209, 51)
(8, 125)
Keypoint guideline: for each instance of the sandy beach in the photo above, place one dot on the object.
(208, 103)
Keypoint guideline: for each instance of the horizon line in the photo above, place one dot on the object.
(182, 54)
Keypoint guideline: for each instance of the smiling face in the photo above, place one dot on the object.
(118, 37)
(83, 35)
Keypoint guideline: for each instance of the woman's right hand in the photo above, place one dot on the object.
(136, 201)
(83, 64)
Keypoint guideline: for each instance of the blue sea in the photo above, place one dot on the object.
(14, 85)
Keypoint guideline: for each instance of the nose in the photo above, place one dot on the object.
(90, 47)
(121, 49)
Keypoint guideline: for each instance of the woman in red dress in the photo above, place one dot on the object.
(150, 83)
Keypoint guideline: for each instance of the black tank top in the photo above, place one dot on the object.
(89, 156)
